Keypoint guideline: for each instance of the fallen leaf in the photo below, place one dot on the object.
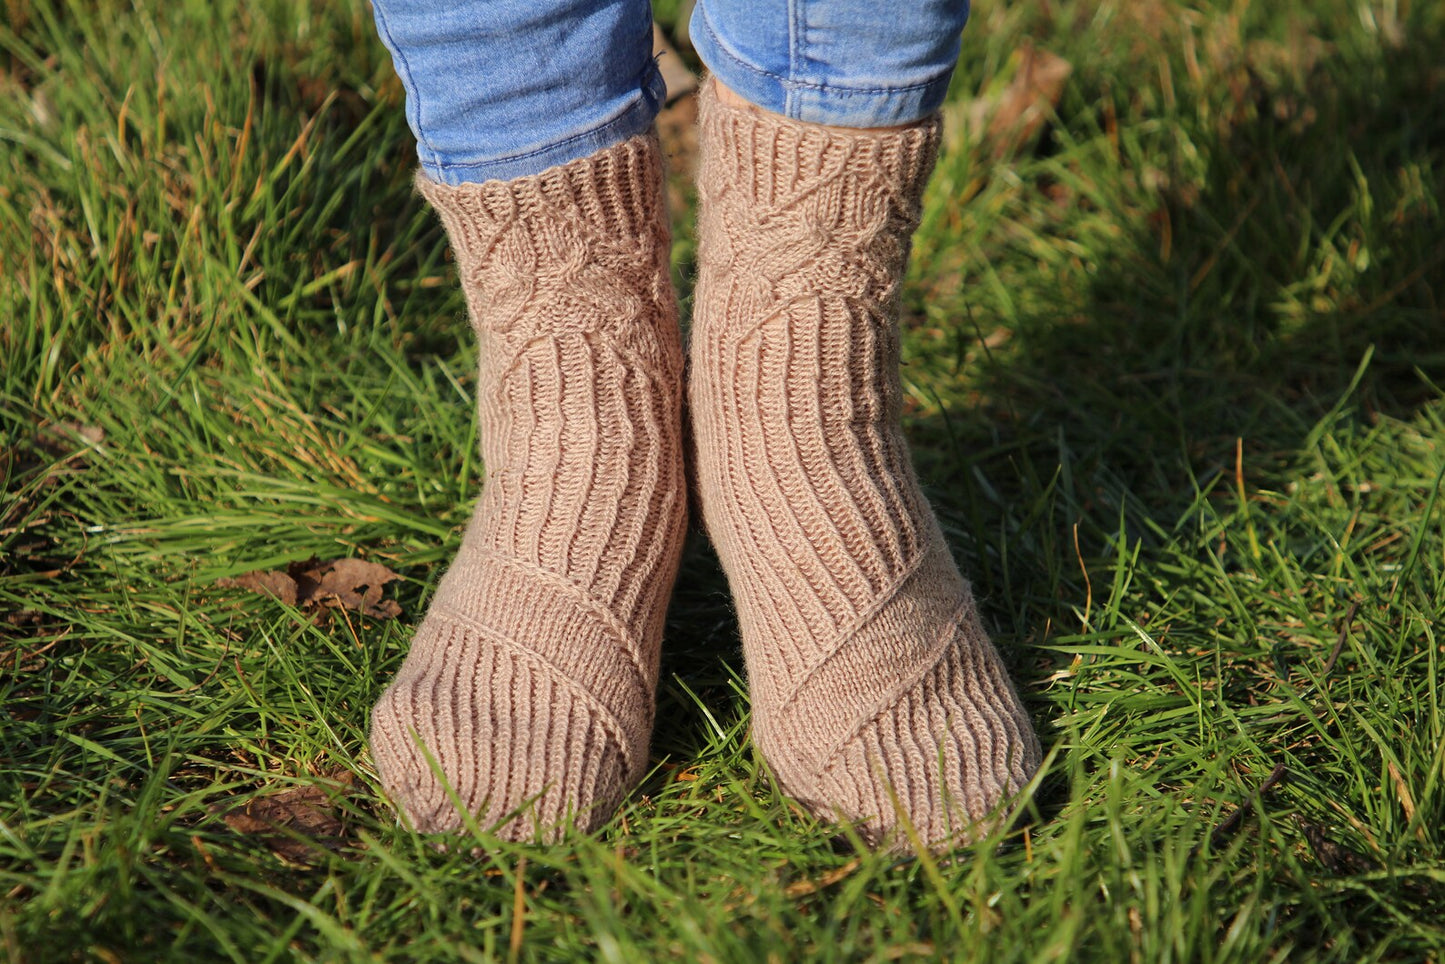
(313, 585)
(295, 823)
(267, 582)
(804, 888)
(1011, 116)
(1034, 93)
(62, 435)
(1336, 858)
(345, 584)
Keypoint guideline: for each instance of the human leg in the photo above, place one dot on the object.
(843, 63)
(877, 695)
(529, 688)
(498, 89)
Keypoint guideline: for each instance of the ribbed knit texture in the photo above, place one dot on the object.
(531, 680)
(872, 680)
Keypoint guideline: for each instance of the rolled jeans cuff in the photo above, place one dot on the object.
(893, 75)
(500, 89)
(634, 119)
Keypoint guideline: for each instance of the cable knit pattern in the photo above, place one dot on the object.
(531, 681)
(875, 689)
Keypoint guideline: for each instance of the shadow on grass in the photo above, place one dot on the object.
(1240, 313)
(1305, 249)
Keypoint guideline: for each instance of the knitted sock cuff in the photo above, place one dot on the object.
(613, 192)
(582, 247)
(774, 153)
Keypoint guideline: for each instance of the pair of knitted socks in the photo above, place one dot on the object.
(527, 697)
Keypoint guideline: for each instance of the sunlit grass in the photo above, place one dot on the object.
(1174, 372)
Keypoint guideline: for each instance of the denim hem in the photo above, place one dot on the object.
(815, 103)
(635, 119)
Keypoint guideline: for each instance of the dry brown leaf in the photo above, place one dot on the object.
(804, 888)
(313, 585)
(345, 584)
(66, 433)
(1030, 97)
(1336, 858)
(1402, 790)
(1011, 117)
(265, 581)
(23, 617)
(295, 823)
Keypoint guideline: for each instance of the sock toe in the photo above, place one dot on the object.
(517, 745)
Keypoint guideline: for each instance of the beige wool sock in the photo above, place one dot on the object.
(531, 680)
(874, 687)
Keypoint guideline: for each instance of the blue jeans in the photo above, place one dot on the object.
(498, 89)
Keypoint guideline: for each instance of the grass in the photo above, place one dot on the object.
(1174, 368)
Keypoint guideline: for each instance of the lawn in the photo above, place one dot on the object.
(1175, 363)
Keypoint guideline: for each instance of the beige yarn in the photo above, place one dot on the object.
(874, 687)
(531, 681)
